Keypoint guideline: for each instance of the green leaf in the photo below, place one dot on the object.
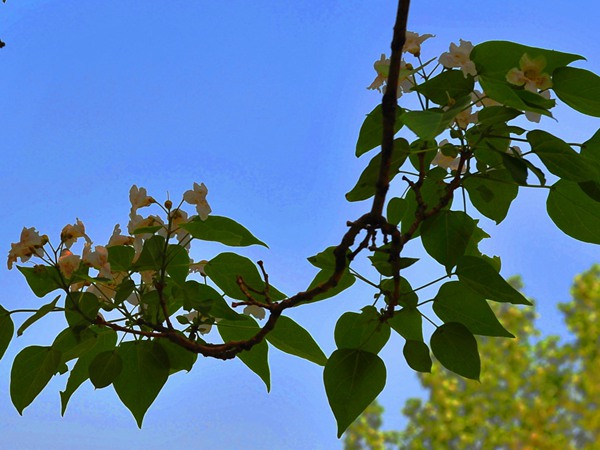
(496, 115)
(221, 229)
(7, 329)
(362, 331)
(430, 123)
(516, 167)
(105, 339)
(455, 302)
(396, 209)
(203, 298)
(72, 344)
(105, 367)
(417, 356)
(380, 260)
(289, 337)
(151, 257)
(178, 263)
(365, 187)
(120, 257)
(322, 276)
(179, 357)
(147, 230)
(446, 86)
(31, 371)
(145, 371)
(37, 315)
(324, 259)
(408, 297)
(353, 379)
(578, 88)
(224, 270)
(456, 348)
(560, 158)
(495, 58)
(81, 309)
(41, 279)
(510, 95)
(492, 193)
(574, 212)
(480, 276)
(446, 236)
(408, 322)
(371, 131)
(257, 358)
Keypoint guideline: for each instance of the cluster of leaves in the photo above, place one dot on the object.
(480, 160)
(534, 393)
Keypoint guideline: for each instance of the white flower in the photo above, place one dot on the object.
(481, 99)
(70, 233)
(514, 150)
(118, 239)
(139, 198)
(68, 263)
(465, 117)
(446, 162)
(529, 74)
(197, 197)
(256, 311)
(413, 42)
(30, 244)
(179, 217)
(98, 259)
(459, 56)
(405, 79)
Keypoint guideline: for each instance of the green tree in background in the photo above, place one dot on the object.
(534, 393)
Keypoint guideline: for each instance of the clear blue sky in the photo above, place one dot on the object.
(262, 101)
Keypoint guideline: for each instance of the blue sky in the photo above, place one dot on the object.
(262, 101)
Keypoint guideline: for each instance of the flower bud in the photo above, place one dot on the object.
(168, 204)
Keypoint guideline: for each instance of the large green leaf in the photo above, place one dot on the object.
(41, 279)
(371, 131)
(353, 379)
(322, 276)
(7, 329)
(31, 371)
(225, 268)
(81, 309)
(105, 339)
(291, 338)
(455, 302)
(408, 297)
(417, 356)
(120, 257)
(74, 343)
(205, 299)
(446, 87)
(257, 358)
(365, 187)
(560, 158)
(446, 236)
(144, 372)
(509, 95)
(578, 88)
(574, 212)
(492, 193)
(456, 348)
(37, 315)
(430, 123)
(179, 357)
(481, 277)
(105, 367)
(362, 331)
(221, 229)
(395, 210)
(178, 263)
(495, 58)
(408, 322)
(151, 257)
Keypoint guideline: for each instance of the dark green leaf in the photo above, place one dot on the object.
(81, 309)
(380, 260)
(257, 358)
(417, 356)
(145, 371)
(408, 298)
(365, 187)
(480, 276)
(291, 338)
(7, 329)
(221, 229)
(371, 131)
(510, 95)
(578, 88)
(446, 87)
(322, 276)
(496, 114)
(353, 379)
(560, 158)
(105, 367)
(178, 263)
(72, 344)
(574, 212)
(430, 123)
(37, 315)
(446, 235)
(362, 331)
(516, 167)
(179, 357)
(455, 302)
(408, 323)
(456, 348)
(41, 279)
(224, 270)
(152, 254)
(31, 371)
(492, 193)
(395, 210)
(120, 257)
(105, 339)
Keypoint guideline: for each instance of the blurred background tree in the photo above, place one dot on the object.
(535, 393)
